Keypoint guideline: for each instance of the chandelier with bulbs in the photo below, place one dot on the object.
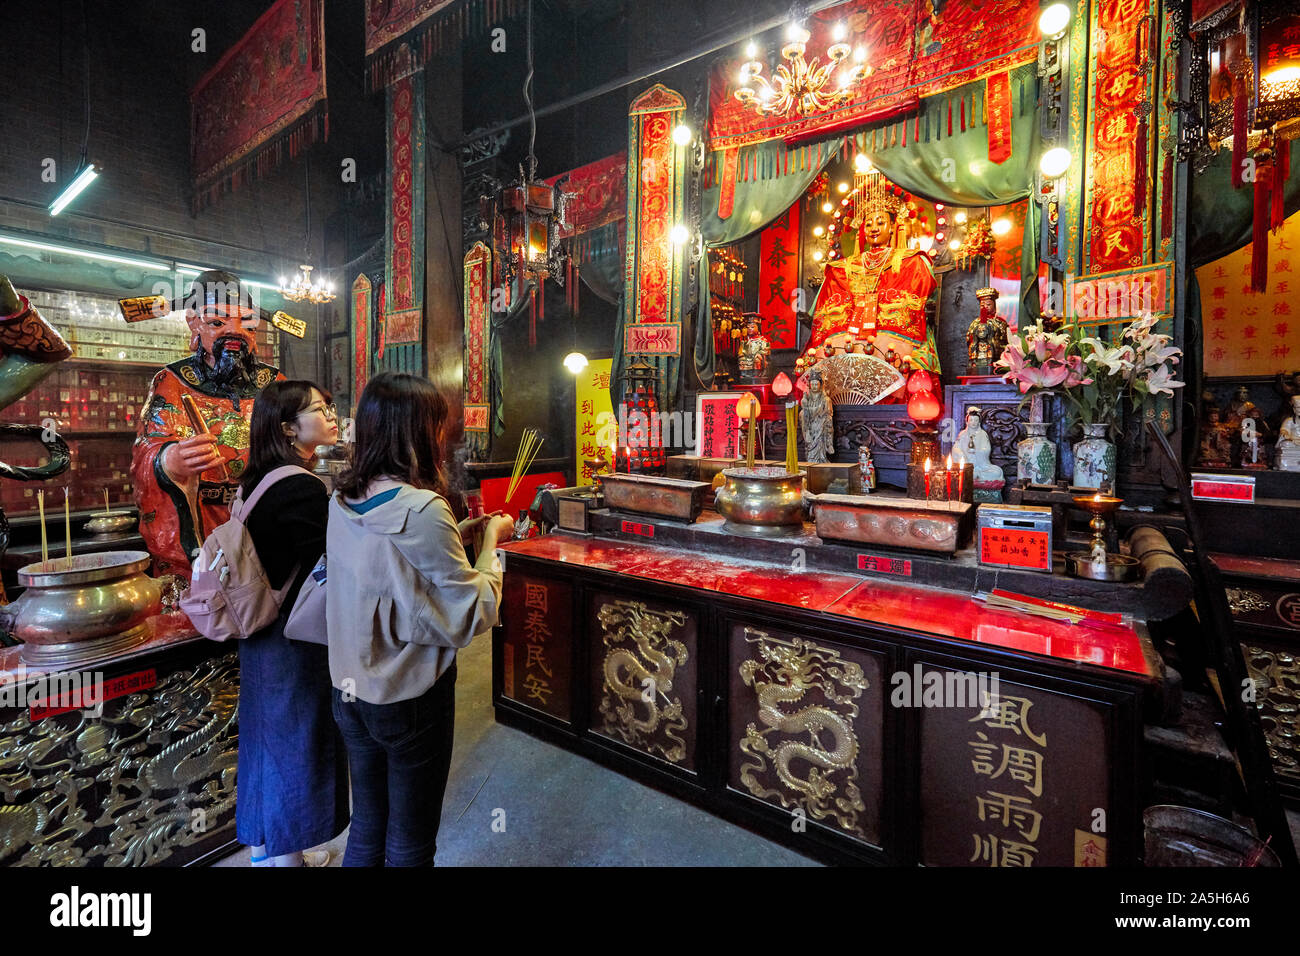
(802, 86)
(303, 289)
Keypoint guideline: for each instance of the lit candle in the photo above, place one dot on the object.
(947, 479)
(67, 525)
(927, 479)
(791, 438)
(627, 458)
(961, 479)
(40, 505)
(749, 439)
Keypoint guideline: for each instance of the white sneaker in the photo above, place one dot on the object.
(317, 857)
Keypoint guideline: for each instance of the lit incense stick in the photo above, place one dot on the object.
(67, 525)
(107, 509)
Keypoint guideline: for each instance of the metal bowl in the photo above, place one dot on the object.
(111, 522)
(82, 608)
(761, 500)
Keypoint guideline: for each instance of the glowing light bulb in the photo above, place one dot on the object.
(1053, 21)
(843, 187)
(817, 255)
(955, 245)
(1001, 227)
(818, 230)
(862, 163)
(679, 234)
(575, 362)
(827, 207)
(681, 134)
(840, 31)
(960, 218)
(1055, 162)
(751, 50)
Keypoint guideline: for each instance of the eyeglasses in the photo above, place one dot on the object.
(329, 410)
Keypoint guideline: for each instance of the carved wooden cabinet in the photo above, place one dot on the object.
(810, 725)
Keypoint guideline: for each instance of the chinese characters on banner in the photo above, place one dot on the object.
(778, 278)
(1011, 756)
(594, 418)
(535, 654)
(1252, 333)
(1119, 177)
(991, 794)
(718, 424)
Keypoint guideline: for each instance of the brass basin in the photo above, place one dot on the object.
(111, 522)
(761, 500)
(82, 608)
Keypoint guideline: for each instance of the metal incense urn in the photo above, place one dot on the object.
(79, 609)
(761, 500)
(107, 525)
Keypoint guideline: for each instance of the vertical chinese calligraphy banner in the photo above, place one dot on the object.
(1252, 333)
(1118, 179)
(778, 278)
(361, 299)
(1013, 784)
(593, 429)
(477, 282)
(536, 654)
(404, 265)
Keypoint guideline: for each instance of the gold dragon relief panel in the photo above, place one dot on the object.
(149, 781)
(643, 676)
(805, 727)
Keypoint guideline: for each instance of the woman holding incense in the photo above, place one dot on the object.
(401, 598)
(293, 785)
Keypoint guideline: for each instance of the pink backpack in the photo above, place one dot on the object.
(229, 597)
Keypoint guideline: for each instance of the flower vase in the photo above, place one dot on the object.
(1094, 458)
(1036, 454)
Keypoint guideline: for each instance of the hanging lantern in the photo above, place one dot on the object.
(640, 410)
(527, 220)
(924, 408)
(1279, 70)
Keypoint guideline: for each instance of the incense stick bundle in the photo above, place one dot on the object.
(45, 549)
(199, 425)
(529, 445)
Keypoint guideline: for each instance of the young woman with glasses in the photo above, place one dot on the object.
(401, 597)
(293, 787)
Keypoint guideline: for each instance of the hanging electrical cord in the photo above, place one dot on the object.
(528, 98)
(85, 83)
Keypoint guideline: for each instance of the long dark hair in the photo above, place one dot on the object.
(268, 446)
(398, 433)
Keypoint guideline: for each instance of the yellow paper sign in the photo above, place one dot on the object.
(595, 429)
(287, 323)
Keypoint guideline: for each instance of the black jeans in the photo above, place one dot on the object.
(399, 756)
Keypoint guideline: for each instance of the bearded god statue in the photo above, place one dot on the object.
(185, 478)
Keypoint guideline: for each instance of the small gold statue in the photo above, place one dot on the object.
(754, 351)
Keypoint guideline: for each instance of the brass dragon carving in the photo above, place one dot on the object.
(783, 674)
(154, 773)
(631, 687)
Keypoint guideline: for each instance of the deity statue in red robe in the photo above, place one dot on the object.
(879, 295)
(185, 479)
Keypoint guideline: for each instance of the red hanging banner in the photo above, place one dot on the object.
(727, 184)
(778, 278)
(998, 105)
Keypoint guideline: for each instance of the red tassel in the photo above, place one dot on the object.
(916, 130)
(1141, 173)
(1281, 173)
(1259, 230)
(963, 114)
(532, 317)
(1238, 140)
(905, 134)
(949, 117)
(576, 279)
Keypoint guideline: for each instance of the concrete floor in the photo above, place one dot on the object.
(561, 809)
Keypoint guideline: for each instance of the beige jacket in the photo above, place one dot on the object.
(401, 596)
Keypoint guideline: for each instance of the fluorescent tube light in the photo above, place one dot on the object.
(150, 264)
(75, 188)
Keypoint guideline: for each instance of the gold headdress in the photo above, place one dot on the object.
(878, 195)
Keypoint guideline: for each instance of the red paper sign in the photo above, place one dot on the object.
(778, 278)
(872, 562)
(999, 109)
(658, 338)
(77, 699)
(1220, 490)
(635, 527)
(718, 425)
(1018, 549)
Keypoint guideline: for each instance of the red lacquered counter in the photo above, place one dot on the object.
(941, 613)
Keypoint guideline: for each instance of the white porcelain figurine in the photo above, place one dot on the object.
(973, 445)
